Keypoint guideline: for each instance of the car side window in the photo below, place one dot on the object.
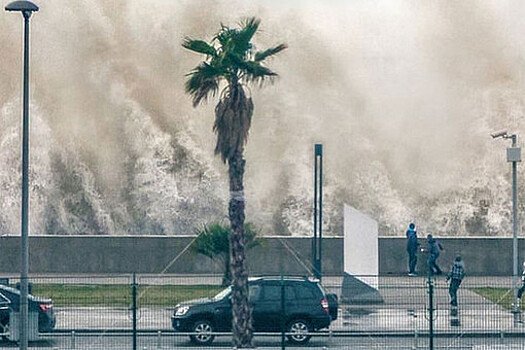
(304, 292)
(254, 292)
(273, 293)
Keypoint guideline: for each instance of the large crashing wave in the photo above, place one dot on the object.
(404, 113)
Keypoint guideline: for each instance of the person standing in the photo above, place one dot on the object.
(522, 289)
(457, 272)
(412, 245)
(434, 249)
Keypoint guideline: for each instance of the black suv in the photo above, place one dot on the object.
(307, 309)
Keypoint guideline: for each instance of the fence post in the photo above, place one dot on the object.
(430, 309)
(72, 340)
(283, 325)
(134, 309)
(159, 335)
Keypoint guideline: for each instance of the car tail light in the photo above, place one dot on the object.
(324, 304)
(46, 307)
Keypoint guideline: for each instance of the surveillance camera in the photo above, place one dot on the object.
(499, 134)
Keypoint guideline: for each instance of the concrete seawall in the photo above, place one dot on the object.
(154, 254)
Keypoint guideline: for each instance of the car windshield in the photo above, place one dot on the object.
(223, 294)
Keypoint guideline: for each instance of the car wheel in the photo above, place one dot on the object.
(298, 331)
(203, 332)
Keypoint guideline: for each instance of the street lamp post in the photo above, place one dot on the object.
(513, 156)
(317, 247)
(26, 8)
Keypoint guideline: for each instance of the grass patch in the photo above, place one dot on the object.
(64, 295)
(503, 297)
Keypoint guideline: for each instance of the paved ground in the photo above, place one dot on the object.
(362, 319)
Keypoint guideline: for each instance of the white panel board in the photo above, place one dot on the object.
(361, 256)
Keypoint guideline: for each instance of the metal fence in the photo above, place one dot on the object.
(134, 312)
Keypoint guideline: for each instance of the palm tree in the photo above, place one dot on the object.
(213, 241)
(232, 61)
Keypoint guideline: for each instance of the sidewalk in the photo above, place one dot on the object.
(405, 309)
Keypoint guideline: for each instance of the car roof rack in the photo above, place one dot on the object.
(286, 277)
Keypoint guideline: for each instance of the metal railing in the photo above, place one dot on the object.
(134, 312)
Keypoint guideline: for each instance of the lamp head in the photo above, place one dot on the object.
(21, 6)
(499, 134)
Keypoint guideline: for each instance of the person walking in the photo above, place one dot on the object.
(412, 245)
(434, 249)
(457, 272)
(522, 289)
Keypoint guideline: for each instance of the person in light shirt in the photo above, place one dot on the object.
(457, 272)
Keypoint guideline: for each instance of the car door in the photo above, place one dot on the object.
(254, 298)
(222, 313)
(223, 308)
(268, 312)
(267, 309)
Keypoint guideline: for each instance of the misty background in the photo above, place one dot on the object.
(402, 94)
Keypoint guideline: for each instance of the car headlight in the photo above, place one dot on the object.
(182, 310)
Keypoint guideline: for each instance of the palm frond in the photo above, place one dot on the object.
(213, 240)
(250, 236)
(204, 80)
(249, 28)
(230, 60)
(224, 35)
(199, 46)
(245, 34)
(253, 71)
(262, 55)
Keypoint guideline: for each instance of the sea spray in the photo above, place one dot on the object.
(403, 96)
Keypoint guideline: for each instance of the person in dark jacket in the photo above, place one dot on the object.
(457, 272)
(412, 245)
(522, 289)
(434, 249)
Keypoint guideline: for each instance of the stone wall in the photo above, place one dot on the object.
(155, 254)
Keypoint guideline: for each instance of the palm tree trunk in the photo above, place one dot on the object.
(242, 320)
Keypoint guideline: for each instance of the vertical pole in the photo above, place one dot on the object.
(318, 211)
(283, 325)
(72, 345)
(430, 307)
(515, 309)
(134, 307)
(24, 247)
(314, 240)
(320, 245)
